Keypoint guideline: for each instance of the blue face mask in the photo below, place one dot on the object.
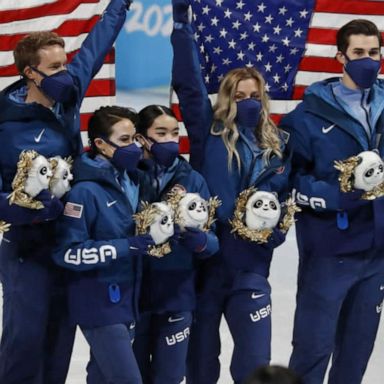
(248, 113)
(363, 71)
(59, 86)
(164, 153)
(126, 157)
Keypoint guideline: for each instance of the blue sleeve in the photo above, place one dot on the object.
(320, 195)
(188, 84)
(76, 250)
(211, 248)
(88, 61)
(16, 215)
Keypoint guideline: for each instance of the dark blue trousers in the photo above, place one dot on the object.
(37, 339)
(339, 302)
(112, 359)
(161, 345)
(246, 305)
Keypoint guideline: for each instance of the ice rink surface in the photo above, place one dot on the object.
(282, 280)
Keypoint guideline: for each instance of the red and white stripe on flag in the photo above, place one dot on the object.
(318, 61)
(72, 20)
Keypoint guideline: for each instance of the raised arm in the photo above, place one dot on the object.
(88, 61)
(188, 83)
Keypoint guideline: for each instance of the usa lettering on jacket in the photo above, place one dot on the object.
(177, 337)
(261, 313)
(90, 255)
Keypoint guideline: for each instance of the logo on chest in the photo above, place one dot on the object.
(326, 130)
(39, 136)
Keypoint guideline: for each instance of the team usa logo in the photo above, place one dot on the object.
(178, 337)
(90, 255)
(262, 313)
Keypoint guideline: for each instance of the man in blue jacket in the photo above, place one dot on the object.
(41, 112)
(339, 235)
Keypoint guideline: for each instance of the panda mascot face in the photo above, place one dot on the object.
(370, 172)
(162, 227)
(193, 211)
(59, 184)
(38, 176)
(262, 210)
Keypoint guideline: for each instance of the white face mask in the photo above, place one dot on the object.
(162, 227)
(262, 211)
(38, 176)
(60, 181)
(192, 211)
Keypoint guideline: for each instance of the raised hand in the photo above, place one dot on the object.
(180, 11)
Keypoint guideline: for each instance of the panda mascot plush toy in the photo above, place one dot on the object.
(62, 175)
(161, 228)
(369, 173)
(33, 175)
(192, 211)
(364, 171)
(258, 213)
(156, 219)
(39, 176)
(262, 210)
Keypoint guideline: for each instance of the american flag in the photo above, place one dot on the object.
(291, 42)
(73, 210)
(71, 19)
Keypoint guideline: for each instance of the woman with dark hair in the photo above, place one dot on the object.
(96, 242)
(168, 289)
(238, 148)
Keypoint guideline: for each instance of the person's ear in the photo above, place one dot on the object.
(29, 73)
(340, 57)
(100, 144)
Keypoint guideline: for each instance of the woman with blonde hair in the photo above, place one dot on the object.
(236, 146)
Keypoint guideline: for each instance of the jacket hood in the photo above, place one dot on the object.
(87, 169)
(13, 111)
(324, 90)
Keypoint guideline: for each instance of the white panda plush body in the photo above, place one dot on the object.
(62, 175)
(38, 176)
(370, 172)
(262, 211)
(162, 227)
(192, 211)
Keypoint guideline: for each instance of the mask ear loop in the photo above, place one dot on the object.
(147, 141)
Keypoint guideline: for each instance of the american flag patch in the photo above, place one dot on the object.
(73, 210)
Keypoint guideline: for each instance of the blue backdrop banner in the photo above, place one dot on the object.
(143, 49)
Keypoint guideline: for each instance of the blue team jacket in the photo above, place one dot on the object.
(169, 283)
(32, 126)
(92, 242)
(321, 132)
(208, 154)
